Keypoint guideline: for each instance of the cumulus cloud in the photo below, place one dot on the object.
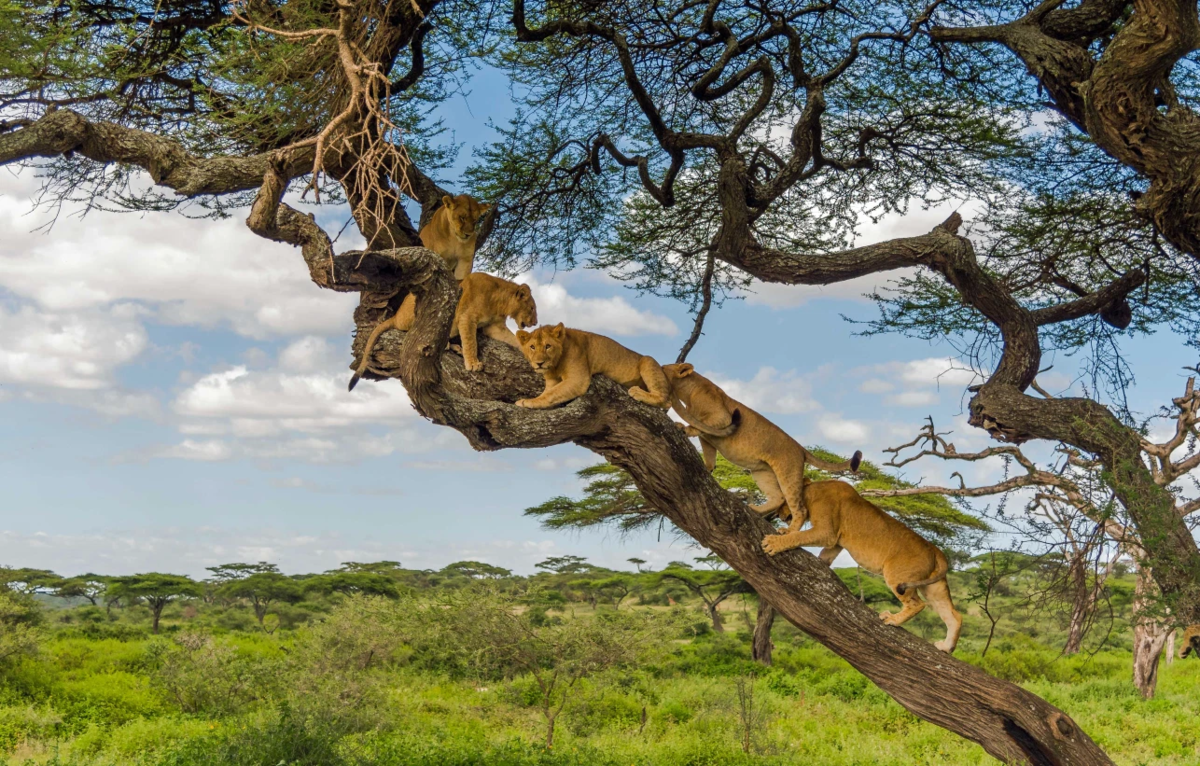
(207, 273)
(296, 409)
(77, 350)
(770, 390)
(609, 316)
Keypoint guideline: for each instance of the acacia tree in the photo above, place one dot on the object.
(1076, 496)
(154, 588)
(737, 121)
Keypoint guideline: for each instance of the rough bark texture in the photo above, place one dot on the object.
(762, 647)
(1149, 636)
(1118, 97)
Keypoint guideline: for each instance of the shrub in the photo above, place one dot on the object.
(201, 676)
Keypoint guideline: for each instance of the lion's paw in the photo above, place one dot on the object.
(945, 646)
(524, 402)
(774, 544)
(476, 366)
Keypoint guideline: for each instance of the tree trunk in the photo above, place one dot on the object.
(1012, 724)
(550, 729)
(762, 646)
(1149, 634)
(156, 613)
(717, 624)
(1170, 648)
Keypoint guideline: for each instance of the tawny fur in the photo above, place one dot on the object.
(451, 233)
(1191, 642)
(748, 440)
(568, 359)
(486, 304)
(911, 565)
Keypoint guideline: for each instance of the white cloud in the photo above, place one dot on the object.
(772, 391)
(78, 350)
(780, 296)
(844, 431)
(609, 316)
(936, 372)
(209, 273)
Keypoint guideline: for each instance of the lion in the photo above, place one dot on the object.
(910, 564)
(486, 304)
(748, 440)
(450, 232)
(568, 358)
(1190, 643)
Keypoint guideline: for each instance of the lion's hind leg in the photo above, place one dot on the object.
(938, 596)
(657, 391)
(910, 603)
(768, 485)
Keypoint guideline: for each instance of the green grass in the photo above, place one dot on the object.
(92, 699)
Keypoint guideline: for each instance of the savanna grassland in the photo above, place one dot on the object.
(454, 669)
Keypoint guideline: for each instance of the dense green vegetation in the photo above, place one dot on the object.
(462, 666)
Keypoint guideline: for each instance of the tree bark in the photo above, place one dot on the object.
(1149, 635)
(762, 647)
(1009, 722)
(1081, 602)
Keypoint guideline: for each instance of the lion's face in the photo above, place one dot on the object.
(462, 212)
(524, 309)
(544, 346)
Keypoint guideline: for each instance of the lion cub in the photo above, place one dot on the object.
(748, 440)
(451, 234)
(842, 519)
(486, 304)
(568, 359)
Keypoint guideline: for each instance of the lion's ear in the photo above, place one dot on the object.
(684, 370)
(524, 290)
(522, 336)
(559, 331)
(448, 202)
(483, 207)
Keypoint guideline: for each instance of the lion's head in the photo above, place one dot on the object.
(523, 309)
(544, 346)
(462, 212)
(1190, 643)
(675, 372)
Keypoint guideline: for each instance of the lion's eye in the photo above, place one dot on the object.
(547, 346)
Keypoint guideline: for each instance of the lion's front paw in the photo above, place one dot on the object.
(774, 544)
(888, 618)
(645, 397)
(945, 646)
(475, 366)
(524, 403)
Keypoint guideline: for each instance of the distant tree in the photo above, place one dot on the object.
(476, 570)
(378, 567)
(712, 586)
(88, 586)
(28, 581)
(155, 589)
(565, 564)
(636, 562)
(366, 583)
(263, 589)
(228, 572)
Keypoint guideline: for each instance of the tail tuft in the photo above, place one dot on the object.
(901, 588)
(856, 461)
(736, 418)
(353, 381)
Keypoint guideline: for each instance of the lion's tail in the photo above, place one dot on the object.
(735, 420)
(846, 465)
(366, 356)
(943, 566)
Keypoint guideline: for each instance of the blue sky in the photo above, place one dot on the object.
(172, 396)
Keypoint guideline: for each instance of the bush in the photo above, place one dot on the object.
(20, 626)
(201, 676)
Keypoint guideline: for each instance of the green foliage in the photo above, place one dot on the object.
(20, 629)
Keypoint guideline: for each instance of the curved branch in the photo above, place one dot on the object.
(169, 164)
